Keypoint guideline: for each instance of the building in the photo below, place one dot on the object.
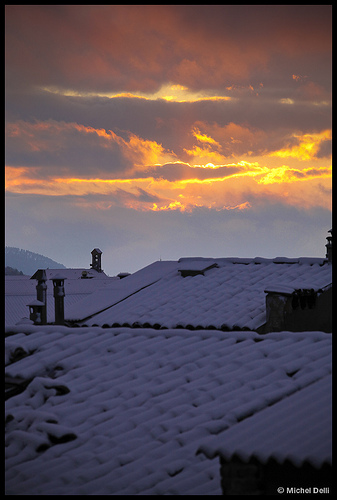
(287, 444)
(21, 292)
(124, 411)
(224, 294)
(168, 369)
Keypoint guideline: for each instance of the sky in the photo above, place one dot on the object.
(166, 131)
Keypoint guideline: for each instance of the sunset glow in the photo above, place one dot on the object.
(180, 117)
(169, 92)
(307, 147)
(144, 156)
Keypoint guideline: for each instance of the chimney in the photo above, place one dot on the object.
(96, 260)
(329, 247)
(35, 311)
(41, 295)
(58, 284)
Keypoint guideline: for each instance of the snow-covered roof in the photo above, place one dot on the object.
(21, 290)
(298, 428)
(119, 290)
(197, 292)
(76, 273)
(124, 411)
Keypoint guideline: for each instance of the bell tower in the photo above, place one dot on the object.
(96, 264)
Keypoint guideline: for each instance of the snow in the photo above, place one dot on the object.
(118, 290)
(298, 426)
(124, 411)
(21, 292)
(232, 294)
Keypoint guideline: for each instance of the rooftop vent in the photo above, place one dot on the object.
(123, 275)
(194, 267)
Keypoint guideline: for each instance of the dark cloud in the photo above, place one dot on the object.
(325, 149)
(140, 47)
(164, 120)
(182, 171)
(55, 146)
(124, 198)
(243, 126)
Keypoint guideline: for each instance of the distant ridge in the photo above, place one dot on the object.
(28, 262)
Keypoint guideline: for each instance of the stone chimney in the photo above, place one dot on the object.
(96, 260)
(58, 284)
(329, 247)
(41, 295)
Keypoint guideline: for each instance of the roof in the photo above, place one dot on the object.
(298, 428)
(225, 293)
(21, 291)
(121, 289)
(71, 273)
(35, 302)
(124, 411)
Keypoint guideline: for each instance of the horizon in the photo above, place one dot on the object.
(161, 132)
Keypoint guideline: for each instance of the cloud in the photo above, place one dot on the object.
(131, 126)
(227, 141)
(179, 171)
(128, 48)
(68, 228)
(313, 92)
(285, 174)
(258, 122)
(54, 145)
(58, 158)
(306, 146)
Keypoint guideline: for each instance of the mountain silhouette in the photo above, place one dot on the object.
(28, 262)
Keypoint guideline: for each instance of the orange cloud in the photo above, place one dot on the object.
(59, 138)
(205, 153)
(204, 138)
(149, 177)
(210, 150)
(285, 174)
(299, 78)
(233, 192)
(228, 141)
(16, 176)
(167, 92)
(137, 150)
(306, 147)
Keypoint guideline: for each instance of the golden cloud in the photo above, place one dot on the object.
(284, 174)
(306, 148)
(168, 92)
(153, 178)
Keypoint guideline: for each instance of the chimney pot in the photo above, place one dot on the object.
(41, 294)
(36, 311)
(329, 247)
(58, 284)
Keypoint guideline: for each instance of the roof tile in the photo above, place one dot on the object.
(142, 401)
(231, 294)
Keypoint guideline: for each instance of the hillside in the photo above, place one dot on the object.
(10, 271)
(28, 262)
